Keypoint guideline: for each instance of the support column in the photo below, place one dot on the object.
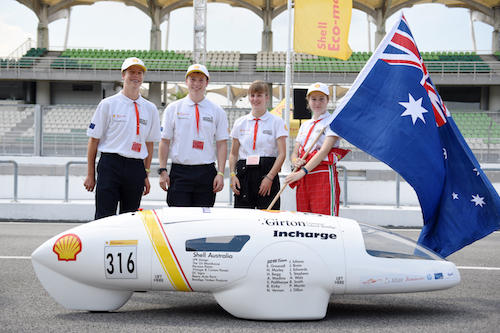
(43, 92)
(267, 33)
(155, 93)
(165, 94)
(155, 41)
(380, 23)
(270, 101)
(484, 103)
(495, 44)
(494, 98)
(43, 28)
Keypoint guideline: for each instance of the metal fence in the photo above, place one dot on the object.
(59, 64)
(60, 130)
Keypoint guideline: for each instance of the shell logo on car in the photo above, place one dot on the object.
(67, 247)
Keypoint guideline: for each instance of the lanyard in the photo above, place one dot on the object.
(137, 117)
(255, 130)
(310, 131)
(197, 119)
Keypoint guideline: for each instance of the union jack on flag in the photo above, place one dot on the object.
(394, 113)
(402, 50)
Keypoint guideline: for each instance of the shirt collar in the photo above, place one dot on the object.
(129, 101)
(264, 117)
(190, 102)
(324, 115)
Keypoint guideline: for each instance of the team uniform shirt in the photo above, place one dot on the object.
(115, 125)
(270, 128)
(324, 120)
(192, 140)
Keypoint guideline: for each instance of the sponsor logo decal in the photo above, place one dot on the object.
(92, 125)
(301, 234)
(438, 276)
(67, 247)
(124, 242)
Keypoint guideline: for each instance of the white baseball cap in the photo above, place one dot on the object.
(133, 61)
(318, 86)
(198, 68)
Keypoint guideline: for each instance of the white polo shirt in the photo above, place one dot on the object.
(270, 128)
(324, 120)
(179, 126)
(115, 125)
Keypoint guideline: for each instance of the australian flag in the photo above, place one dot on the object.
(394, 113)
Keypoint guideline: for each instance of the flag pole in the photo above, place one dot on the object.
(288, 72)
(276, 197)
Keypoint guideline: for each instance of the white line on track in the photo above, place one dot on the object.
(480, 268)
(14, 257)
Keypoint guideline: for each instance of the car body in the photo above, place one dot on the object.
(258, 264)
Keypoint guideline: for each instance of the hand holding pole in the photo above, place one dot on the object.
(295, 169)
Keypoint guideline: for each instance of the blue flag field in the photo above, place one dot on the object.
(394, 113)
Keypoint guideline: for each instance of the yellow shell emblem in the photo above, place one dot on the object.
(67, 247)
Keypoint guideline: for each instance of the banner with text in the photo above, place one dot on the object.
(321, 27)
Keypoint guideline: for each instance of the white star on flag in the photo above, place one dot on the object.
(414, 109)
(478, 200)
(454, 196)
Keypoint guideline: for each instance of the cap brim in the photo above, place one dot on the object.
(143, 67)
(197, 71)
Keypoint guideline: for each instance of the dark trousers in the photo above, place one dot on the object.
(250, 178)
(191, 185)
(119, 180)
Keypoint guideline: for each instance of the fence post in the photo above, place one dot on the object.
(16, 176)
(37, 140)
(344, 170)
(398, 191)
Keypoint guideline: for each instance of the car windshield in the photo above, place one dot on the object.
(380, 242)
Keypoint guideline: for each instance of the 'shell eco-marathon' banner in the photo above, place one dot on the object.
(321, 27)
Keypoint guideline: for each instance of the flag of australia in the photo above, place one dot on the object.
(394, 113)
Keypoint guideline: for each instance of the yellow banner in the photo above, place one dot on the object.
(321, 27)
(294, 123)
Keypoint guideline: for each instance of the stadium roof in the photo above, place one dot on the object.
(51, 10)
(371, 7)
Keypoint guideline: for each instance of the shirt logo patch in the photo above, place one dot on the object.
(209, 119)
(92, 125)
(143, 121)
(268, 132)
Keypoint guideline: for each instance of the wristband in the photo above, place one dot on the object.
(305, 170)
(148, 171)
(293, 160)
(268, 178)
(220, 173)
(232, 174)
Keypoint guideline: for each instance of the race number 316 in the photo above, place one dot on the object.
(120, 262)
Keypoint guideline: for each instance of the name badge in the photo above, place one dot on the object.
(136, 146)
(253, 160)
(198, 144)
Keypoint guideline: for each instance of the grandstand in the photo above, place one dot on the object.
(64, 125)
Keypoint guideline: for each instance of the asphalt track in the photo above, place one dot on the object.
(25, 306)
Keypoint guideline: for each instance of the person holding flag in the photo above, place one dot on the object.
(316, 178)
(259, 140)
(394, 112)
